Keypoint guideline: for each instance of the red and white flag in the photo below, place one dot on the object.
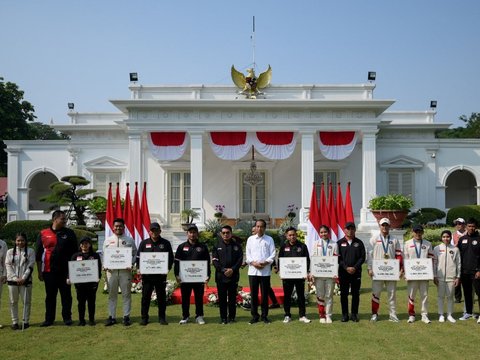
(128, 215)
(348, 206)
(333, 214)
(137, 217)
(324, 208)
(109, 216)
(118, 203)
(340, 212)
(145, 213)
(314, 222)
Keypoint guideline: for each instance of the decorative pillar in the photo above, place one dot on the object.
(73, 164)
(135, 158)
(13, 201)
(369, 177)
(430, 192)
(307, 172)
(196, 175)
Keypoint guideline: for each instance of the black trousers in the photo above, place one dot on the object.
(264, 283)
(469, 283)
(227, 299)
(458, 292)
(350, 283)
(271, 295)
(198, 291)
(156, 283)
(86, 294)
(55, 283)
(288, 286)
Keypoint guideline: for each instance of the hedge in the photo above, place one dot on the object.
(466, 212)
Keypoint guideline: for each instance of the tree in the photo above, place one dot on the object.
(471, 129)
(69, 192)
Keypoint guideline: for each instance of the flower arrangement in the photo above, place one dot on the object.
(136, 281)
(219, 209)
(170, 287)
(244, 299)
(291, 211)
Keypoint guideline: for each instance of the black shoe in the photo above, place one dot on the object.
(46, 324)
(82, 323)
(266, 320)
(253, 321)
(92, 322)
(458, 301)
(232, 320)
(26, 325)
(144, 322)
(162, 321)
(274, 306)
(224, 321)
(126, 321)
(110, 321)
(355, 318)
(15, 327)
(68, 322)
(345, 318)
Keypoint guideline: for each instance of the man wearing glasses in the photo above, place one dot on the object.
(227, 257)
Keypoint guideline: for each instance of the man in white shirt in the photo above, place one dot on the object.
(260, 253)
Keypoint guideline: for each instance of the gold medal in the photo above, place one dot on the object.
(386, 256)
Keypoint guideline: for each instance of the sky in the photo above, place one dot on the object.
(61, 51)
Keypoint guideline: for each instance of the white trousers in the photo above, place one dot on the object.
(122, 278)
(324, 292)
(445, 289)
(25, 294)
(390, 288)
(422, 287)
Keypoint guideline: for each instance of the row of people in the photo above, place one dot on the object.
(57, 245)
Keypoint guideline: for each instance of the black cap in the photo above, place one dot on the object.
(417, 228)
(155, 226)
(350, 225)
(192, 227)
(86, 239)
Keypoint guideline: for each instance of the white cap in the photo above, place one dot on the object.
(460, 220)
(384, 221)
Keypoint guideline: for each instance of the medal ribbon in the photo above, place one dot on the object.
(385, 244)
(325, 248)
(418, 250)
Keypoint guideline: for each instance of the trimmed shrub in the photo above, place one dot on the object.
(425, 215)
(466, 212)
(430, 234)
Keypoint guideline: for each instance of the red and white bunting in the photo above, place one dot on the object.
(167, 145)
(275, 145)
(230, 145)
(337, 145)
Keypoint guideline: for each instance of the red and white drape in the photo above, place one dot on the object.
(167, 145)
(337, 145)
(230, 145)
(275, 145)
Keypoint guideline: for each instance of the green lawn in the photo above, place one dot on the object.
(295, 340)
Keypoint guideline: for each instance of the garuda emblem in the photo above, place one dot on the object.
(250, 85)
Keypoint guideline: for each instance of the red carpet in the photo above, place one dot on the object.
(177, 297)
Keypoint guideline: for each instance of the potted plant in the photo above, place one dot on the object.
(291, 211)
(98, 206)
(219, 209)
(394, 207)
(188, 215)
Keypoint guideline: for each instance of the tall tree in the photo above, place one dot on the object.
(470, 130)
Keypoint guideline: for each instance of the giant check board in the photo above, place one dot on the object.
(324, 266)
(193, 271)
(386, 269)
(418, 269)
(293, 267)
(83, 271)
(117, 258)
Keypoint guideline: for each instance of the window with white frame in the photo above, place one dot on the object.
(327, 177)
(179, 191)
(400, 181)
(101, 181)
(253, 199)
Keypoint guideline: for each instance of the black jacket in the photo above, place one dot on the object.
(148, 245)
(469, 246)
(227, 256)
(350, 255)
(187, 251)
(297, 250)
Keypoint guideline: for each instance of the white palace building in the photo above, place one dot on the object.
(193, 144)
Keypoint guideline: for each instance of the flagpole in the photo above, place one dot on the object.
(253, 43)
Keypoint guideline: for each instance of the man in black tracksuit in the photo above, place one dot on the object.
(351, 256)
(227, 257)
(157, 282)
(469, 246)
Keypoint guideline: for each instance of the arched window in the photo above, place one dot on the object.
(40, 186)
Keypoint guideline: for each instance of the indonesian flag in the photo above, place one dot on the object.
(137, 217)
(275, 145)
(314, 222)
(128, 215)
(145, 213)
(167, 145)
(333, 214)
(337, 145)
(109, 217)
(118, 203)
(340, 212)
(348, 206)
(230, 145)
(324, 209)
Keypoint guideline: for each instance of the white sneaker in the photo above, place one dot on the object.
(374, 317)
(329, 319)
(451, 319)
(478, 321)
(465, 317)
(441, 318)
(411, 319)
(287, 319)
(323, 321)
(394, 318)
(200, 320)
(305, 320)
(425, 319)
(183, 321)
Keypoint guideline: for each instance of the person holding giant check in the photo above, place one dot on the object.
(113, 254)
(154, 276)
(385, 250)
(417, 248)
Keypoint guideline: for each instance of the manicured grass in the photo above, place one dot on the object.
(295, 340)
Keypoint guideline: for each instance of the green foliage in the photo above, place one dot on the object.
(466, 212)
(425, 215)
(391, 202)
(40, 131)
(3, 217)
(470, 130)
(208, 238)
(188, 215)
(213, 225)
(431, 234)
(30, 227)
(97, 204)
(69, 192)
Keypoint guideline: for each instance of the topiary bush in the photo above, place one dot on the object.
(425, 215)
(430, 234)
(466, 212)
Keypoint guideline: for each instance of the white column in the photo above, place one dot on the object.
(307, 161)
(369, 177)
(13, 204)
(196, 175)
(430, 192)
(135, 159)
(73, 164)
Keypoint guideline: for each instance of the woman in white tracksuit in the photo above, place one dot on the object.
(324, 286)
(446, 274)
(19, 263)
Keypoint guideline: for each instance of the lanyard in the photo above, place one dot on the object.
(325, 247)
(385, 244)
(418, 250)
